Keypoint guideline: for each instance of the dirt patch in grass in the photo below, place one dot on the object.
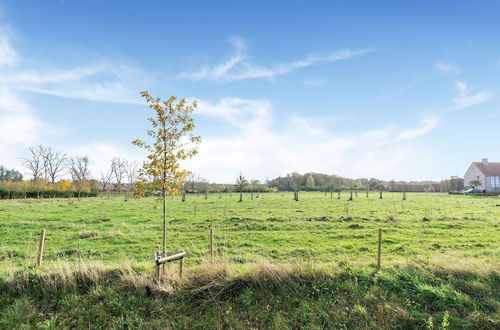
(88, 234)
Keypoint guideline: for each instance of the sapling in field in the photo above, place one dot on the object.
(172, 143)
(241, 183)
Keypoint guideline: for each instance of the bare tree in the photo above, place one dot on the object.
(119, 171)
(131, 173)
(106, 180)
(79, 169)
(34, 163)
(190, 182)
(53, 163)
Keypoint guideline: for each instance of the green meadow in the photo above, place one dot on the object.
(279, 263)
(270, 227)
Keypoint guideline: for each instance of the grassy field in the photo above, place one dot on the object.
(281, 263)
(272, 227)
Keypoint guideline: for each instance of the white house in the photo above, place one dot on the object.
(486, 172)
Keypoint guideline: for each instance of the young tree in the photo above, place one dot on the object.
(79, 170)
(241, 183)
(172, 142)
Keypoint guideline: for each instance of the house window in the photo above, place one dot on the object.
(495, 182)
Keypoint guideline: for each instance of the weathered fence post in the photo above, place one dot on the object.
(350, 198)
(206, 194)
(41, 246)
(181, 267)
(366, 192)
(380, 197)
(212, 243)
(183, 196)
(379, 247)
(157, 256)
(404, 195)
(338, 194)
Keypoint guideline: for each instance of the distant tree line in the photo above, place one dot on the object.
(315, 182)
(10, 175)
(53, 174)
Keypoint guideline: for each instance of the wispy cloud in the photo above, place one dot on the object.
(466, 98)
(447, 68)
(314, 82)
(102, 80)
(238, 68)
(263, 146)
(425, 126)
(8, 56)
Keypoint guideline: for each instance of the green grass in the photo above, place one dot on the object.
(440, 257)
(272, 227)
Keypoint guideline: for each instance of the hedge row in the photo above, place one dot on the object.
(13, 194)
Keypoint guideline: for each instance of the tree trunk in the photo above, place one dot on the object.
(241, 197)
(164, 238)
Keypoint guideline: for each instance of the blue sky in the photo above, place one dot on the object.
(390, 90)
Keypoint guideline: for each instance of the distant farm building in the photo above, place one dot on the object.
(487, 173)
(434, 187)
(375, 186)
(395, 187)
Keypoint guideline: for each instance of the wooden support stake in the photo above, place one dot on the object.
(181, 267)
(157, 256)
(41, 246)
(379, 248)
(212, 243)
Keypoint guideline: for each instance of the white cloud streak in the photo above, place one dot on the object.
(238, 68)
(101, 81)
(447, 68)
(466, 98)
(8, 56)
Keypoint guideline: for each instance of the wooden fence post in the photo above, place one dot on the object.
(379, 248)
(41, 246)
(212, 243)
(181, 267)
(157, 256)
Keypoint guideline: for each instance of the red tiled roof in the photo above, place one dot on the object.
(492, 169)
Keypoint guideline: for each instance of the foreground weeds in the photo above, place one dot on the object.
(437, 293)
